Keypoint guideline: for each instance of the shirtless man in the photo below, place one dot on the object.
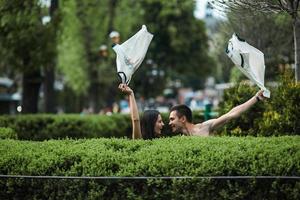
(181, 118)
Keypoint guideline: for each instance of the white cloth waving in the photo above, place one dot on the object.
(131, 53)
(249, 60)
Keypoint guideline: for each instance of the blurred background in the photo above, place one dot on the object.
(56, 56)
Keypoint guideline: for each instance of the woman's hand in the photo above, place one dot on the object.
(125, 89)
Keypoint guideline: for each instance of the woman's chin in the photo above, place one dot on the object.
(158, 134)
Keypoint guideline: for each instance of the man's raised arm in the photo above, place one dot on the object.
(234, 112)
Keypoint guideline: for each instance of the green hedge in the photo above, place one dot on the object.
(283, 111)
(276, 116)
(43, 127)
(7, 133)
(247, 123)
(176, 156)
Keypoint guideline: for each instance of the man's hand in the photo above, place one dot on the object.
(125, 89)
(259, 95)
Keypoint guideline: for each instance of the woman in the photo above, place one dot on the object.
(151, 124)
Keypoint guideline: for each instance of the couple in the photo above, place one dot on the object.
(180, 118)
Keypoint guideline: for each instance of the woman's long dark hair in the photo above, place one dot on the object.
(148, 121)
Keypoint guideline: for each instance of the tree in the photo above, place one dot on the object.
(266, 32)
(85, 26)
(179, 49)
(291, 7)
(49, 68)
(72, 62)
(23, 41)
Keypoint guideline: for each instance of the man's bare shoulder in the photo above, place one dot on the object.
(201, 129)
(205, 124)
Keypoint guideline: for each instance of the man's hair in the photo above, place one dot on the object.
(183, 110)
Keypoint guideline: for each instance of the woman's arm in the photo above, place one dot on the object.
(134, 113)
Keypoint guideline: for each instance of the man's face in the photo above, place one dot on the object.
(116, 39)
(175, 122)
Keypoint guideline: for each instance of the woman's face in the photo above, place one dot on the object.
(158, 125)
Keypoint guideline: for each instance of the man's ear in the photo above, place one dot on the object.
(183, 118)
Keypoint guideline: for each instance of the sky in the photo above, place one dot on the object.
(200, 10)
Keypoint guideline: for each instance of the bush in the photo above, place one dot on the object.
(177, 156)
(246, 124)
(7, 133)
(283, 111)
(278, 115)
(44, 127)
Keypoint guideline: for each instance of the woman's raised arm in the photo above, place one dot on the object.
(134, 113)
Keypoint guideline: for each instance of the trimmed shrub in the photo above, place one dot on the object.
(7, 133)
(246, 124)
(43, 127)
(176, 156)
(283, 111)
(278, 115)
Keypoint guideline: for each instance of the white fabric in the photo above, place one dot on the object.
(131, 53)
(249, 60)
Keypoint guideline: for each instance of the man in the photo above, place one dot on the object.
(115, 37)
(181, 118)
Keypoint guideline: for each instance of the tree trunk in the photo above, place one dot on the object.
(93, 72)
(112, 8)
(93, 91)
(110, 98)
(53, 7)
(49, 93)
(296, 26)
(31, 87)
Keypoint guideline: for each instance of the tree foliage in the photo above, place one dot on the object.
(71, 52)
(86, 26)
(178, 50)
(180, 44)
(290, 7)
(25, 46)
(23, 37)
(269, 33)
